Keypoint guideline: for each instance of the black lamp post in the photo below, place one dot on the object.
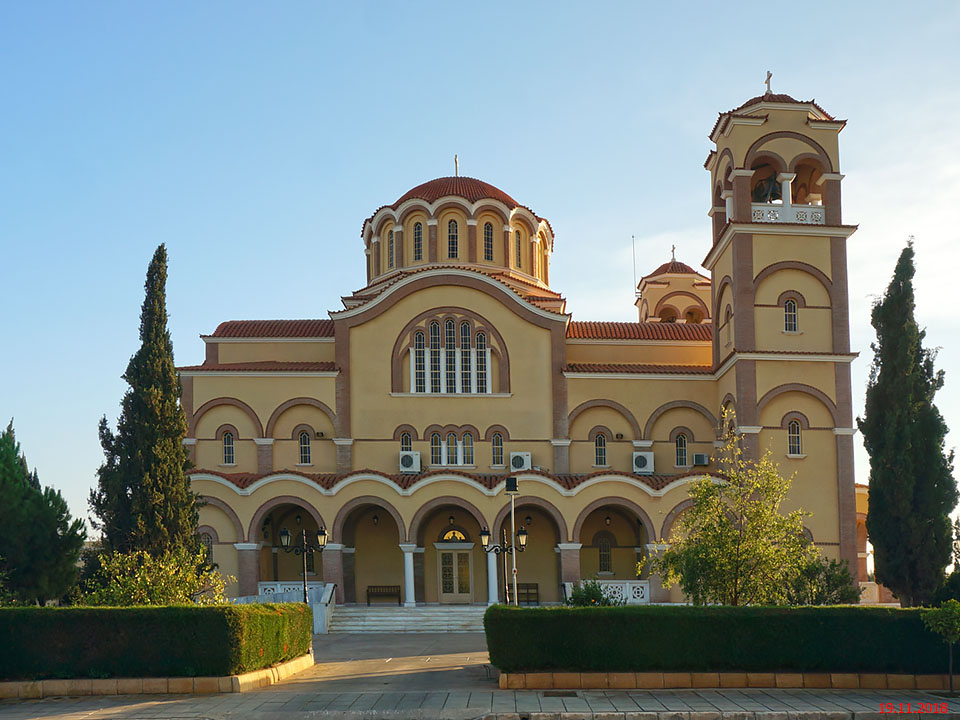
(520, 539)
(302, 549)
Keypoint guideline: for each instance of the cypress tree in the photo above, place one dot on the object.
(143, 499)
(912, 490)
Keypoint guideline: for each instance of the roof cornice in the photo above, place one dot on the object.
(734, 228)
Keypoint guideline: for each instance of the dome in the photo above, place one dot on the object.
(468, 188)
(673, 267)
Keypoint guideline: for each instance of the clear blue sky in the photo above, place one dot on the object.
(253, 138)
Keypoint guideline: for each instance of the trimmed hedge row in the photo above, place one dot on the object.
(712, 639)
(150, 641)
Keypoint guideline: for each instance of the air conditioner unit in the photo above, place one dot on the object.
(409, 461)
(520, 461)
(701, 459)
(643, 463)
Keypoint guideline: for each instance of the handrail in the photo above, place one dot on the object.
(333, 595)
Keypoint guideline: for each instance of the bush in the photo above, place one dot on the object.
(589, 593)
(711, 639)
(150, 641)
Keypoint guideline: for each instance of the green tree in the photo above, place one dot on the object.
(945, 622)
(821, 581)
(734, 546)
(39, 541)
(912, 490)
(175, 577)
(143, 499)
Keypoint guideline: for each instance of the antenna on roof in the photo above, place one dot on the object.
(636, 293)
(456, 166)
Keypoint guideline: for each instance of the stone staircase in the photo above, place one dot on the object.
(424, 619)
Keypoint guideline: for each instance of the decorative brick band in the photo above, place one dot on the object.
(246, 682)
(658, 680)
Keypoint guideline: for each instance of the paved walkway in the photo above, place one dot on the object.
(443, 677)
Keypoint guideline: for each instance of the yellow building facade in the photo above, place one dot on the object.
(395, 422)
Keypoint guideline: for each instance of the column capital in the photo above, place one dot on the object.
(342, 441)
(786, 177)
(643, 443)
(263, 441)
(845, 431)
(408, 547)
(569, 546)
(248, 546)
(334, 547)
(561, 442)
(472, 222)
(189, 441)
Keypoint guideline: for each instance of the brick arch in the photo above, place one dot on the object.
(726, 153)
(400, 429)
(795, 265)
(294, 402)
(613, 405)
(486, 206)
(229, 512)
(800, 388)
(802, 157)
(655, 415)
(528, 500)
(686, 294)
(217, 402)
(344, 513)
(725, 282)
(755, 150)
(253, 530)
(671, 518)
(423, 512)
(619, 502)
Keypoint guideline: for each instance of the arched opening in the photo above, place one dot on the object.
(539, 564)
(613, 540)
(371, 552)
(764, 185)
(805, 189)
(668, 315)
(450, 566)
(693, 316)
(286, 568)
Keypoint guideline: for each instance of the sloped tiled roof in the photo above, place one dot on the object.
(264, 366)
(621, 368)
(767, 98)
(639, 331)
(674, 267)
(273, 328)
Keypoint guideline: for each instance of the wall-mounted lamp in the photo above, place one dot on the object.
(376, 519)
(607, 520)
(529, 520)
(619, 436)
(319, 433)
(298, 519)
(452, 519)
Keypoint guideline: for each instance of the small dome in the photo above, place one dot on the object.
(781, 98)
(468, 188)
(674, 267)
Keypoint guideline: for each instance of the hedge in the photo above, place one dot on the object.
(150, 641)
(712, 639)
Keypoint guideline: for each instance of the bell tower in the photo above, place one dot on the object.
(778, 267)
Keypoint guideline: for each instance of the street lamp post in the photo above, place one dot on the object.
(519, 538)
(302, 549)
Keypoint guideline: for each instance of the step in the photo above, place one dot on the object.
(430, 619)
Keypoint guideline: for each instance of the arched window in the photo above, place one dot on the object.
(519, 251)
(681, 445)
(450, 348)
(482, 362)
(435, 357)
(794, 446)
(468, 448)
(390, 249)
(228, 456)
(436, 454)
(420, 363)
(418, 242)
(600, 449)
(206, 540)
(728, 324)
(466, 366)
(488, 242)
(451, 448)
(790, 316)
(406, 442)
(453, 234)
(497, 444)
(453, 536)
(603, 546)
(304, 448)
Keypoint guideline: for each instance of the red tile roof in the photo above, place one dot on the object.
(328, 481)
(639, 331)
(674, 267)
(274, 328)
(264, 366)
(771, 98)
(621, 368)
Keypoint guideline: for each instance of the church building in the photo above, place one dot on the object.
(396, 422)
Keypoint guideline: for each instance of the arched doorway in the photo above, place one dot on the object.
(613, 540)
(371, 537)
(539, 564)
(450, 565)
(285, 569)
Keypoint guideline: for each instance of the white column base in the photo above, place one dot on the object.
(409, 591)
(493, 591)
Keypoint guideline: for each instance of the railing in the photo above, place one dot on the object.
(267, 588)
(797, 214)
(634, 592)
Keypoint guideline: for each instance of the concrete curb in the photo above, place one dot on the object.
(36, 689)
(657, 681)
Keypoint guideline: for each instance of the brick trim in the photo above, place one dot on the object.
(613, 405)
(336, 534)
(253, 530)
(228, 511)
(672, 405)
(424, 511)
(294, 402)
(801, 388)
(217, 402)
(560, 525)
(618, 502)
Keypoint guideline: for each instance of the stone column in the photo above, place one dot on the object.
(847, 497)
(369, 259)
(786, 180)
(569, 561)
(264, 454)
(344, 454)
(419, 575)
(409, 590)
(830, 197)
(741, 195)
(333, 567)
(398, 246)
(471, 240)
(658, 593)
(561, 455)
(190, 444)
(248, 567)
(376, 255)
(507, 257)
(432, 240)
(493, 591)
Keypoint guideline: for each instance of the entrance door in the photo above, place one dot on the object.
(455, 572)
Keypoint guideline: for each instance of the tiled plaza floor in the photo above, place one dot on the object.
(422, 677)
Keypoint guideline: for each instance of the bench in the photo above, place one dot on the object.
(528, 593)
(378, 591)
